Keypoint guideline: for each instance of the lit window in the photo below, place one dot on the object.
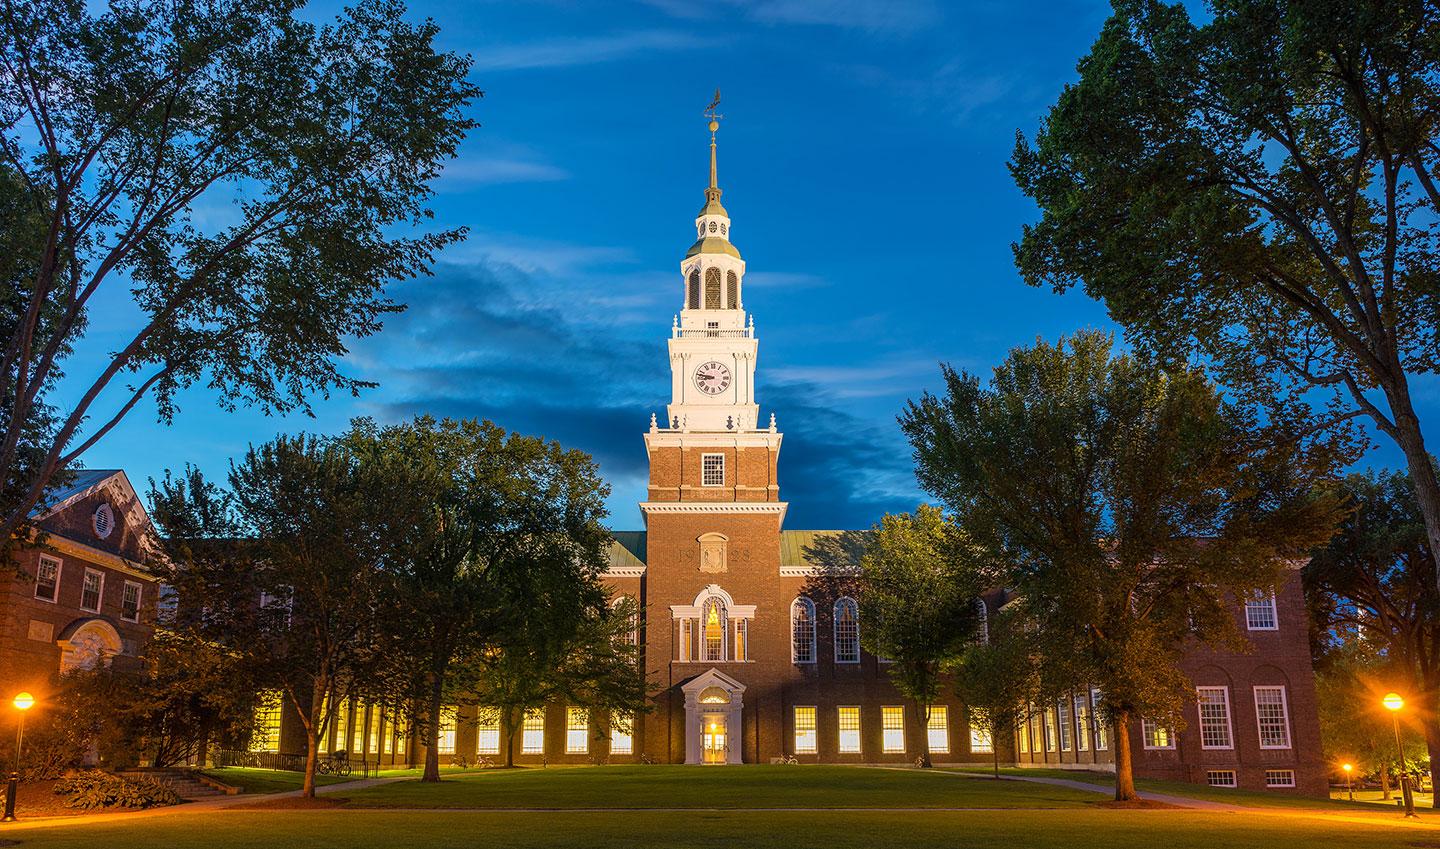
(1272, 717)
(1063, 709)
(1220, 778)
(1048, 718)
(849, 730)
(47, 579)
(488, 732)
(980, 740)
(445, 739)
(1214, 718)
(532, 735)
(805, 737)
(802, 631)
(402, 734)
(712, 469)
(1279, 778)
(1102, 736)
(130, 602)
(91, 590)
(577, 731)
(357, 730)
(714, 619)
(847, 631)
(266, 736)
(742, 639)
(937, 730)
(1260, 613)
(1156, 736)
(1023, 735)
(1082, 723)
(892, 726)
(622, 733)
(373, 747)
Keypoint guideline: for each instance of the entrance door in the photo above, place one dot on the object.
(714, 740)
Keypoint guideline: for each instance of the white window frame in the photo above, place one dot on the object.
(1047, 723)
(848, 742)
(487, 732)
(622, 733)
(532, 739)
(802, 601)
(807, 737)
(707, 471)
(1064, 719)
(892, 737)
(981, 743)
(139, 595)
(853, 640)
(1082, 721)
(1215, 778)
(59, 565)
(1280, 774)
(1284, 715)
(99, 593)
(445, 734)
(937, 729)
(1150, 729)
(577, 730)
(1102, 731)
(1229, 722)
(1262, 601)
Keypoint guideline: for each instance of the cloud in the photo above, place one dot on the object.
(893, 16)
(584, 50)
(785, 280)
(864, 381)
(482, 171)
(953, 90)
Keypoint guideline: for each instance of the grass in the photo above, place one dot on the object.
(730, 787)
(255, 780)
(1044, 829)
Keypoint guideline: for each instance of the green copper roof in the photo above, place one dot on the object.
(821, 548)
(628, 549)
(713, 245)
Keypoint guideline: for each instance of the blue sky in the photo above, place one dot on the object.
(863, 162)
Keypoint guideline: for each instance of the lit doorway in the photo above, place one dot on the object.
(714, 745)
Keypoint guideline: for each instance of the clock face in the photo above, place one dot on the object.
(712, 378)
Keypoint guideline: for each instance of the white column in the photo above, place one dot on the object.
(693, 753)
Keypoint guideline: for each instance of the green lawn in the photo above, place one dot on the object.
(1047, 829)
(714, 787)
(255, 780)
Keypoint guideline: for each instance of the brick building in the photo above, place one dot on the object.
(85, 595)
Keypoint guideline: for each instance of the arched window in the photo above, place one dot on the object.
(693, 296)
(802, 631)
(626, 604)
(732, 290)
(712, 288)
(847, 631)
(982, 622)
(714, 622)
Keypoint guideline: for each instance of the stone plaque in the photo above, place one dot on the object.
(41, 632)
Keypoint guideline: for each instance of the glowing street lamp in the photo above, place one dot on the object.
(1348, 789)
(1394, 703)
(22, 703)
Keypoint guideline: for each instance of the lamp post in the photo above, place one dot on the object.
(22, 702)
(1349, 790)
(1394, 703)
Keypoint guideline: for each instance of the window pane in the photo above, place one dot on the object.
(805, 738)
(130, 603)
(938, 731)
(1102, 735)
(849, 730)
(90, 591)
(622, 734)
(712, 469)
(488, 732)
(892, 720)
(445, 741)
(1260, 613)
(532, 736)
(980, 742)
(1272, 716)
(1064, 712)
(714, 624)
(1156, 736)
(802, 626)
(267, 723)
(577, 731)
(47, 579)
(847, 631)
(1214, 718)
(1082, 723)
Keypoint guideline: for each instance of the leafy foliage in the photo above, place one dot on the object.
(98, 789)
(998, 677)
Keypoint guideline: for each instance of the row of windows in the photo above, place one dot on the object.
(1070, 725)
(711, 291)
(846, 631)
(722, 228)
(92, 589)
(1273, 778)
(892, 731)
(577, 732)
(1272, 720)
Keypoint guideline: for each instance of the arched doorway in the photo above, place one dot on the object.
(714, 707)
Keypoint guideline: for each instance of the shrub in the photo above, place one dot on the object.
(94, 788)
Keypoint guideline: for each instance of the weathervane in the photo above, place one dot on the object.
(714, 116)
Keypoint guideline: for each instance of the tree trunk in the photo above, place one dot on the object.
(1385, 783)
(1419, 463)
(924, 734)
(1124, 767)
(507, 730)
(313, 725)
(1432, 746)
(432, 726)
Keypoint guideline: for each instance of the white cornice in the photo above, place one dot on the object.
(749, 507)
(624, 572)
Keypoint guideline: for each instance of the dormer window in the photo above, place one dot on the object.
(103, 521)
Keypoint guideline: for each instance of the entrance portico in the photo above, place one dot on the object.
(714, 705)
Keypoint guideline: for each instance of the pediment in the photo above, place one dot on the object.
(712, 677)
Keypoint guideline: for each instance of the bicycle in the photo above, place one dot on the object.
(790, 760)
(460, 762)
(484, 762)
(338, 763)
(646, 759)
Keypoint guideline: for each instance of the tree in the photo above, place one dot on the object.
(118, 125)
(1378, 611)
(917, 593)
(1130, 506)
(478, 512)
(997, 677)
(1258, 190)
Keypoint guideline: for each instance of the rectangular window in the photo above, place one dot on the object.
(980, 742)
(266, 736)
(402, 734)
(387, 731)
(445, 740)
(805, 742)
(532, 733)
(355, 745)
(712, 469)
(1260, 612)
(130, 602)
(622, 734)
(686, 649)
(892, 727)
(1215, 718)
(1279, 778)
(1272, 717)
(1048, 717)
(488, 732)
(342, 727)
(1156, 736)
(1102, 736)
(1023, 733)
(90, 590)
(47, 579)
(1037, 738)
(849, 730)
(1082, 723)
(577, 731)
(938, 729)
(742, 641)
(1220, 778)
(1062, 709)
(373, 747)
